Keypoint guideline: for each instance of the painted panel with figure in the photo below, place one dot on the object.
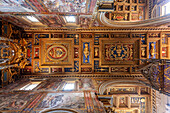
(63, 100)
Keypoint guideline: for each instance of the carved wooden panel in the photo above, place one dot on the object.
(56, 52)
(94, 52)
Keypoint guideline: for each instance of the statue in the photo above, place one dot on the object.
(86, 51)
(152, 50)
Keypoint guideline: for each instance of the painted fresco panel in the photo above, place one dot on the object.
(51, 85)
(82, 6)
(63, 100)
(14, 101)
(86, 84)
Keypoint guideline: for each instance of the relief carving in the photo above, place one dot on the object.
(86, 52)
(152, 50)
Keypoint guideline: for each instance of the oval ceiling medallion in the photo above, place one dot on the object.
(57, 52)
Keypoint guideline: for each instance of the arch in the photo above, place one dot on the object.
(109, 83)
(150, 22)
(58, 110)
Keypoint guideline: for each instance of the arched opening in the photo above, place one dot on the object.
(59, 111)
(125, 96)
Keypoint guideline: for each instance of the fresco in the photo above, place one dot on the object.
(78, 6)
(86, 84)
(51, 84)
(14, 101)
(13, 86)
(85, 22)
(62, 100)
(14, 6)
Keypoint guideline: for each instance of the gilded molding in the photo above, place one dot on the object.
(98, 29)
(130, 76)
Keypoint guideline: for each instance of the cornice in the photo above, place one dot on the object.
(98, 29)
(127, 76)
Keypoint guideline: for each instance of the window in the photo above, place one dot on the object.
(32, 19)
(69, 86)
(166, 8)
(30, 86)
(70, 19)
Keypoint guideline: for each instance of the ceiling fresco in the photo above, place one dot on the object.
(49, 13)
(77, 6)
(15, 6)
(87, 13)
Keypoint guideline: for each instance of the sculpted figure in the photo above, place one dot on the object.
(86, 52)
(152, 50)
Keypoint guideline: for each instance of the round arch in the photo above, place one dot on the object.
(109, 83)
(58, 111)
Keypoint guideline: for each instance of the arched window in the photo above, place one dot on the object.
(166, 9)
